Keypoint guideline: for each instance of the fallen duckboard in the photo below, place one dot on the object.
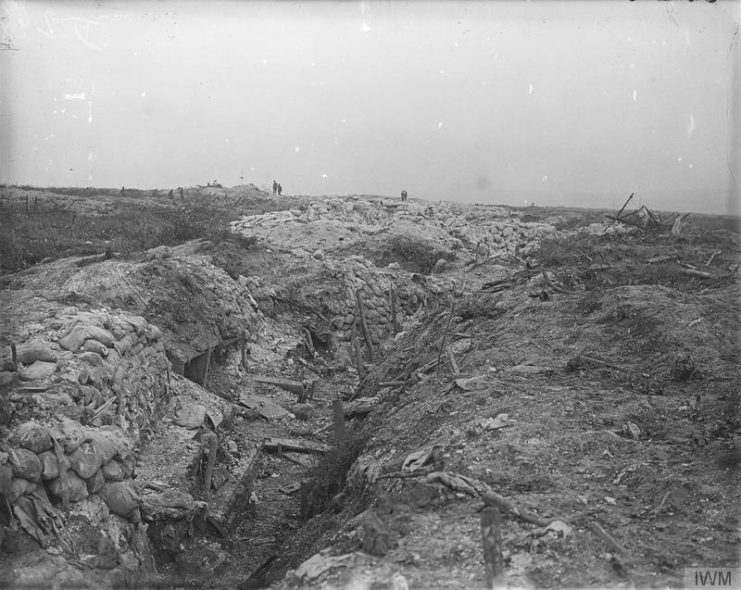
(301, 446)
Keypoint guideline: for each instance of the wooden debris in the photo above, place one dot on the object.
(210, 442)
(497, 286)
(289, 385)
(360, 406)
(617, 217)
(696, 273)
(394, 319)
(710, 260)
(459, 483)
(289, 444)
(339, 423)
(445, 334)
(491, 540)
(662, 258)
(298, 458)
(356, 352)
(602, 534)
(491, 498)
(453, 364)
(661, 504)
(364, 324)
(550, 283)
(472, 383)
(396, 383)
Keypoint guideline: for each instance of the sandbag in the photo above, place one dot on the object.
(96, 347)
(49, 465)
(85, 460)
(77, 336)
(6, 479)
(190, 416)
(33, 436)
(128, 463)
(37, 370)
(20, 487)
(71, 483)
(108, 442)
(71, 435)
(25, 464)
(35, 350)
(113, 471)
(95, 482)
(120, 498)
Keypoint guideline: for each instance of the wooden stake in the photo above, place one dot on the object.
(445, 334)
(394, 319)
(211, 441)
(602, 534)
(710, 260)
(356, 352)
(364, 324)
(491, 540)
(339, 424)
(617, 217)
(453, 364)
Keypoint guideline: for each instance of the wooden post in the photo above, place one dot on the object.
(339, 424)
(364, 324)
(445, 334)
(356, 352)
(211, 442)
(453, 364)
(491, 540)
(309, 343)
(394, 319)
(206, 368)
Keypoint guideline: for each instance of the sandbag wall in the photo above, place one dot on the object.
(331, 293)
(69, 463)
(80, 394)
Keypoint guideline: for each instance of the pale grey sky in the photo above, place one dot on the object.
(583, 102)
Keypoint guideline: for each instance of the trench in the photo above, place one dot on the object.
(254, 543)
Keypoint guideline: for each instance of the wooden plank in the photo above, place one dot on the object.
(290, 444)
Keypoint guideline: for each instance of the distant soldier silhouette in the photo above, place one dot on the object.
(123, 192)
(404, 195)
(275, 187)
(280, 189)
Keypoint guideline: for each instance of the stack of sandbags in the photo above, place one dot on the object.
(71, 463)
(116, 366)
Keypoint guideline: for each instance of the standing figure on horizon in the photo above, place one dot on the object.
(280, 189)
(275, 187)
(404, 195)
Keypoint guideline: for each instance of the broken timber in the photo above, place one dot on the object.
(359, 407)
(296, 387)
(364, 324)
(289, 444)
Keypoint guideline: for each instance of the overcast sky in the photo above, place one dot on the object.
(581, 102)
